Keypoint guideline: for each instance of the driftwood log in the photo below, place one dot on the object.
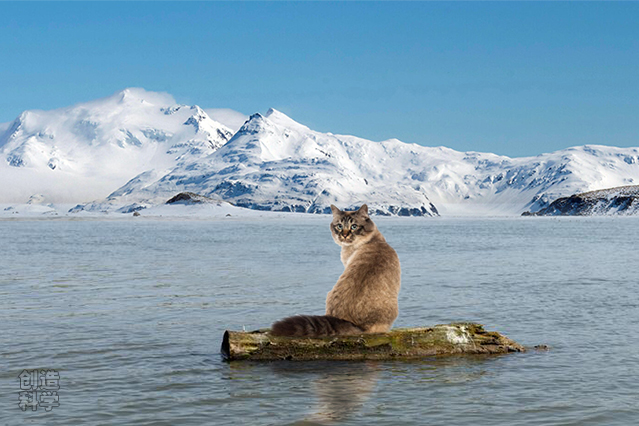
(400, 343)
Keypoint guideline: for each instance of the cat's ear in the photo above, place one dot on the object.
(363, 210)
(335, 210)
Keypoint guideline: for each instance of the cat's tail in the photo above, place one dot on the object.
(313, 326)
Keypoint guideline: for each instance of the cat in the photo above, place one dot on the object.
(364, 299)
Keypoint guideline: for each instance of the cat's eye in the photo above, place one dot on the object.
(339, 227)
(353, 227)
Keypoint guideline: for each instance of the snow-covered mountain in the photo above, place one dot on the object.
(275, 163)
(88, 150)
(145, 149)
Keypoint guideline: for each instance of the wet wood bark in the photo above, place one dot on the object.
(401, 343)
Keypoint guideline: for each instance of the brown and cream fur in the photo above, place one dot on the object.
(364, 299)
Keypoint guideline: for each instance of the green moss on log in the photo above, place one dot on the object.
(401, 343)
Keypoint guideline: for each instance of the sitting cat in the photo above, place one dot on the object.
(364, 299)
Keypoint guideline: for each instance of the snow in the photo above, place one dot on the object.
(87, 150)
(137, 149)
(205, 211)
(630, 190)
(273, 163)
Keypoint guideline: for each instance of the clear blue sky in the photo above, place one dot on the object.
(511, 78)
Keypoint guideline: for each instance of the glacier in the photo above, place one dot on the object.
(138, 149)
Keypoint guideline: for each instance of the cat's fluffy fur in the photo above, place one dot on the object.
(364, 299)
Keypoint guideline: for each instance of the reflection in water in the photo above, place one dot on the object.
(334, 392)
(326, 392)
(341, 391)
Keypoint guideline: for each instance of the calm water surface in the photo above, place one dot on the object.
(132, 312)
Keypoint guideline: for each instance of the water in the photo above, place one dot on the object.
(132, 312)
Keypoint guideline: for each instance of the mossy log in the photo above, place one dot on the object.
(400, 343)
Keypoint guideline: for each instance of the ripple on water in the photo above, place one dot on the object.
(132, 314)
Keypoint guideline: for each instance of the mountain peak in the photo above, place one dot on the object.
(138, 94)
(282, 119)
(274, 114)
(255, 124)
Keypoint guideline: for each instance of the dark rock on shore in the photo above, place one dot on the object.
(623, 200)
(189, 198)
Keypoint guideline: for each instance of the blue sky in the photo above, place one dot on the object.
(512, 78)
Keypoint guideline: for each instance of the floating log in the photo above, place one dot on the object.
(400, 343)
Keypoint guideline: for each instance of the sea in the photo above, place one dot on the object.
(119, 322)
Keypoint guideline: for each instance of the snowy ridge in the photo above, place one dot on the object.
(85, 151)
(275, 163)
(142, 149)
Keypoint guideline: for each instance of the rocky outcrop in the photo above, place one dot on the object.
(613, 201)
(189, 198)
